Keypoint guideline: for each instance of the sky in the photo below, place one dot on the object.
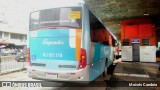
(17, 11)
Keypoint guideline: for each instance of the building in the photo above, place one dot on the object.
(138, 39)
(11, 35)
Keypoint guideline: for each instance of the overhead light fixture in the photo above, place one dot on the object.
(146, 13)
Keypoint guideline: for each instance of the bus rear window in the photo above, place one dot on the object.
(57, 17)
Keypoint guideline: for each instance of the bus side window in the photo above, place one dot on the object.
(91, 35)
(105, 43)
(103, 35)
(96, 29)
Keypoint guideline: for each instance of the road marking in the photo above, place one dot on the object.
(132, 75)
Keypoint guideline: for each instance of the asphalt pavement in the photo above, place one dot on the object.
(135, 76)
(126, 76)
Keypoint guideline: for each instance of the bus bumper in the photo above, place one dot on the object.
(54, 75)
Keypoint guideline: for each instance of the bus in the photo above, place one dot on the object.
(68, 43)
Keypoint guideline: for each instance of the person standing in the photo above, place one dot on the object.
(158, 57)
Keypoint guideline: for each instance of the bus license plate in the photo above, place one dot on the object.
(51, 75)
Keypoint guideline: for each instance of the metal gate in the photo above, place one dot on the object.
(8, 63)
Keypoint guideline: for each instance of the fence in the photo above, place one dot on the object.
(9, 63)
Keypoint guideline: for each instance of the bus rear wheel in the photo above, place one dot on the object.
(105, 72)
(105, 69)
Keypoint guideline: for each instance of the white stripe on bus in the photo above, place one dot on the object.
(72, 38)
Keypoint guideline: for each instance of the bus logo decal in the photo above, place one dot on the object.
(47, 42)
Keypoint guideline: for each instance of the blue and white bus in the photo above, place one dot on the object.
(68, 43)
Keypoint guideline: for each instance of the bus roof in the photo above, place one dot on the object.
(57, 4)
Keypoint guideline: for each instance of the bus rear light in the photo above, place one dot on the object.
(28, 56)
(82, 61)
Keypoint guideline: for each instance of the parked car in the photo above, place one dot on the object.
(4, 53)
(21, 57)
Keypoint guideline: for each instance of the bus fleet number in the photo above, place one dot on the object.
(58, 55)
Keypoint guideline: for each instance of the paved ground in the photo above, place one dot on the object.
(135, 73)
(124, 74)
(22, 76)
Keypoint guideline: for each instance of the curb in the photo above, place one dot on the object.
(12, 71)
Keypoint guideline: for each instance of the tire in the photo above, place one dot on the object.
(105, 69)
(105, 72)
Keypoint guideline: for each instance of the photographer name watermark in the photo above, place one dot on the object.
(80, 84)
(20, 84)
(143, 84)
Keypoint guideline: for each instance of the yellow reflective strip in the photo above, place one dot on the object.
(78, 43)
(91, 52)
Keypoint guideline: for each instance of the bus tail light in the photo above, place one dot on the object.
(83, 57)
(28, 56)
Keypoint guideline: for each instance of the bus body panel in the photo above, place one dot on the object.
(100, 59)
(96, 67)
(86, 32)
(63, 65)
(49, 50)
(111, 56)
(57, 75)
(55, 53)
(63, 42)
